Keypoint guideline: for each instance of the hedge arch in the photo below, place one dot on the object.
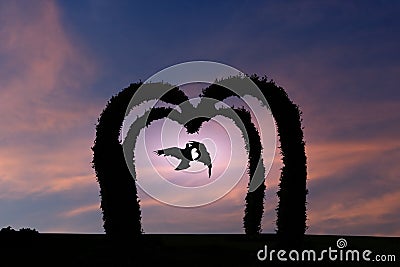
(119, 200)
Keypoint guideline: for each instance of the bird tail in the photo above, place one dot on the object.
(209, 170)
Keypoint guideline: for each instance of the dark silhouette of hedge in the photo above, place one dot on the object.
(23, 231)
(254, 208)
(22, 237)
(119, 200)
(291, 211)
(121, 211)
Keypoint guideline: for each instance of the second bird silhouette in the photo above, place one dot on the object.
(193, 151)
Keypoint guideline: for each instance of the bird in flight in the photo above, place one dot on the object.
(193, 151)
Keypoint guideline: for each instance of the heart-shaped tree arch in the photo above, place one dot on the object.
(119, 201)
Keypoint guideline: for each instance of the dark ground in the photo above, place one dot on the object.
(177, 250)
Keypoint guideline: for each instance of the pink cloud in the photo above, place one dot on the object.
(83, 209)
(341, 217)
(333, 158)
(45, 122)
(361, 191)
(31, 169)
(222, 216)
(43, 70)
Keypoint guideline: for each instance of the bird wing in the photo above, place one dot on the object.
(205, 157)
(184, 164)
(172, 151)
(177, 153)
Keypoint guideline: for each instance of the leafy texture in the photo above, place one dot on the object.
(119, 201)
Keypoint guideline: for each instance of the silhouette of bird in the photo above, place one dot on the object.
(193, 151)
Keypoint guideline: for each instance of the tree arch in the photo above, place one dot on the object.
(119, 201)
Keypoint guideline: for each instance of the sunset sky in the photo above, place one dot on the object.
(61, 61)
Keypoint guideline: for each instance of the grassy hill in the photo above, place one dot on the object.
(185, 250)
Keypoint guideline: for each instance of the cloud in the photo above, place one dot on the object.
(222, 216)
(353, 187)
(46, 115)
(335, 158)
(43, 70)
(84, 209)
(369, 216)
